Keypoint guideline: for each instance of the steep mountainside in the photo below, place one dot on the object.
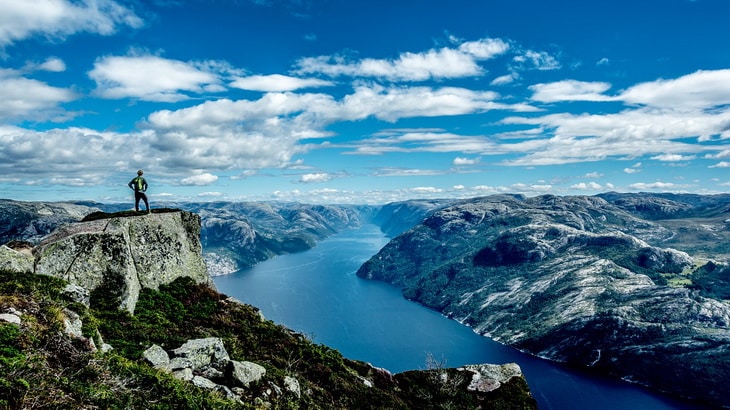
(574, 279)
(396, 217)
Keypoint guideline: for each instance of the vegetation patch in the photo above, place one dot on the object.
(42, 367)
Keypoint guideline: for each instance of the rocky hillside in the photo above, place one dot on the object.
(32, 221)
(184, 345)
(582, 280)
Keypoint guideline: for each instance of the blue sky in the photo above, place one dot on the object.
(337, 101)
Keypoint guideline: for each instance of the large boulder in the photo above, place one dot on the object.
(125, 254)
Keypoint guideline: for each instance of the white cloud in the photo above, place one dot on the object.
(427, 142)
(277, 82)
(484, 49)
(26, 98)
(71, 156)
(721, 164)
(318, 177)
(673, 157)
(163, 79)
(594, 186)
(53, 64)
(505, 79)
(466, 161)
(702, 89)
(60, 18)
(200, 179)
(211, 194)
(570, 90)
(628, 134)
(603, 61)
(432, 64)
(653, 185)
(539, 60)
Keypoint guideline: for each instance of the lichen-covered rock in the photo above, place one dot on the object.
(489, 377)
(125, 253)
(157, 357)
(16, 260)
(245, 373)
(202, 352)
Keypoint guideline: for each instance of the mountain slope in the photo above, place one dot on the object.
(569, 279)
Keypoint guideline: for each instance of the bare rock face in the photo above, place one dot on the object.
(125, 254)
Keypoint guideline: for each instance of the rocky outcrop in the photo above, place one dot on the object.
(571, 279)
(125, 254)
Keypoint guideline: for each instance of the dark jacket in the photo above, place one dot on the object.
(138, 184)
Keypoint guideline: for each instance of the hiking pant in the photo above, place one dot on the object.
(140, 195)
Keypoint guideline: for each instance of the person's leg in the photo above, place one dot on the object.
(136, 201)
(146, 203)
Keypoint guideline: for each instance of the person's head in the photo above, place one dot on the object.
(140, 172)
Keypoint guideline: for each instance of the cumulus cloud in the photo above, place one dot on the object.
(200, 179)
(570, 90)
(721, 164)
(53, 64)
(277, 82)
(27, 98)
(673, 157)
(442, 63)
(567, 138)
(702, 89)
(317, 177)
(458, 161)
(164, 80)
(593, 186)
(71, 156)
(654, 185)
(57, 19)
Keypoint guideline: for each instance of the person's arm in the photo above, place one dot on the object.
(144, 185)
(131, 184)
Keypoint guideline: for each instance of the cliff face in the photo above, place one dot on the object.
(125, 254)
(575, 280)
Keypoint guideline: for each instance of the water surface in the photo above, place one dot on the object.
(318, 294)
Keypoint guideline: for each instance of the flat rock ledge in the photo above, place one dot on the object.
(205, 363)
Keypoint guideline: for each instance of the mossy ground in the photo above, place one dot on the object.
(41, 367)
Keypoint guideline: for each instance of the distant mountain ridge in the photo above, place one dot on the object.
(234, 235)
(582, 280)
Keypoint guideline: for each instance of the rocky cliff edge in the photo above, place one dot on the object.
(123, 253)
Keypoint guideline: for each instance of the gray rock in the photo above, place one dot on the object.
(77, 294)
(200, 381)
(488, 377)
(15, 260)
(292, 385)
(202, 352)
(157, 357)
(244, 373)
(126, 254)
(185, 374)
(10, 318)
(177, 363)
(72, 323)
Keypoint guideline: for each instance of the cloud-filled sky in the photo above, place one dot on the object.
(336, 101)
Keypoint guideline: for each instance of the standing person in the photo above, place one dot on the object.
(139, 185)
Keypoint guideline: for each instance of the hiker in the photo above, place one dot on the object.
(139, 185)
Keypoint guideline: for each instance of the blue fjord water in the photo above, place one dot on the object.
(318, 294)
